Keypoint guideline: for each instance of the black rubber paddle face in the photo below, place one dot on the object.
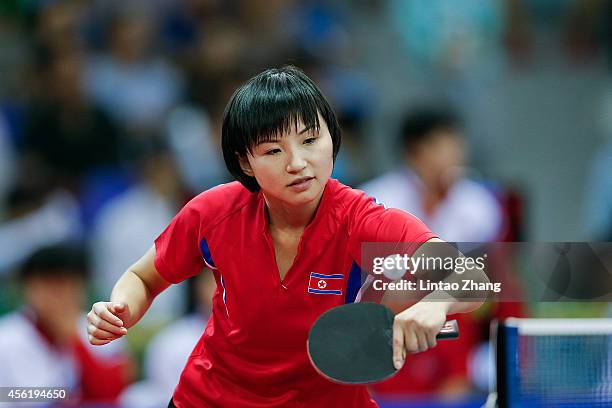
(352, 344)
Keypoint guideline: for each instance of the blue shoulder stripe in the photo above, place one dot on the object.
(206, 253)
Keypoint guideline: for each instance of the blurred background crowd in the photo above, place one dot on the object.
(490, 120)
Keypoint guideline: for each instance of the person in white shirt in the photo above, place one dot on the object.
(430, 183)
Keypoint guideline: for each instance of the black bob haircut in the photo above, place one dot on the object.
(419, 125)
(267, 106)
(62, 259)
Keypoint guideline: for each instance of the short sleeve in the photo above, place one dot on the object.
(177, 249)
(371, 222)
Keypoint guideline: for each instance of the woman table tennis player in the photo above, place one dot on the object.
(271, 237)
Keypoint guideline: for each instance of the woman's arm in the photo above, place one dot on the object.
(459, 301)
(130, 299)
(415, 328)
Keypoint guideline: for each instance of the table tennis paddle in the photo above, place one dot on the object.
(352, 343)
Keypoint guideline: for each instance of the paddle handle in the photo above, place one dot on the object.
(450, 330)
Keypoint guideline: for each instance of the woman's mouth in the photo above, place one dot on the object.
(301, 184)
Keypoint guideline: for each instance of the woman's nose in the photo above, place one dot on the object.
(296, 162)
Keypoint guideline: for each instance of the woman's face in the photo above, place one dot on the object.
(294, 168)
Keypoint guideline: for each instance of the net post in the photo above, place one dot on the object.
(498, 346)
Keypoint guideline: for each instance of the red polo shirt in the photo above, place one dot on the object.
(253, 350)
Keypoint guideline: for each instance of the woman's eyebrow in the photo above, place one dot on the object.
(306, 129)
(269, 141)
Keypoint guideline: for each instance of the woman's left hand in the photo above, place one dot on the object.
(415, 329)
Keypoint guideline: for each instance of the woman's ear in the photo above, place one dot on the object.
(244, 165)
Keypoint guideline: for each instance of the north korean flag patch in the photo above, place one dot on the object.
(322, 284)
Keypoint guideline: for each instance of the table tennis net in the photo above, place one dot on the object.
(554, 363)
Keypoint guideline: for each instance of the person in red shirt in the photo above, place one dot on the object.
(284, 242)
(43, 343)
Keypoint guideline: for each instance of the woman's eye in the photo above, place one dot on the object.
(310, 140)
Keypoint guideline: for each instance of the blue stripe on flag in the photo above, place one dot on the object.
(322, 276)
(325, 292)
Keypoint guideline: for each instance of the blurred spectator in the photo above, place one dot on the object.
(66, 137)
(577, 27)
(7, 162)
(195, 147)
(439, 35)
(44, 344)
(168, 351)
(430, 182)
(35, 219)
(518, 32)
(582, 28)
(15, 51)
(319, 29)
(136, 86)
(350, 166)
(128, 224)
(59, 25)
(222, 47)
(218, 64)
(266, 23)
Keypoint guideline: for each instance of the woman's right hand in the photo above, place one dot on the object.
(106, 322)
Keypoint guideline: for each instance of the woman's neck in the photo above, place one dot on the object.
(292, 217)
